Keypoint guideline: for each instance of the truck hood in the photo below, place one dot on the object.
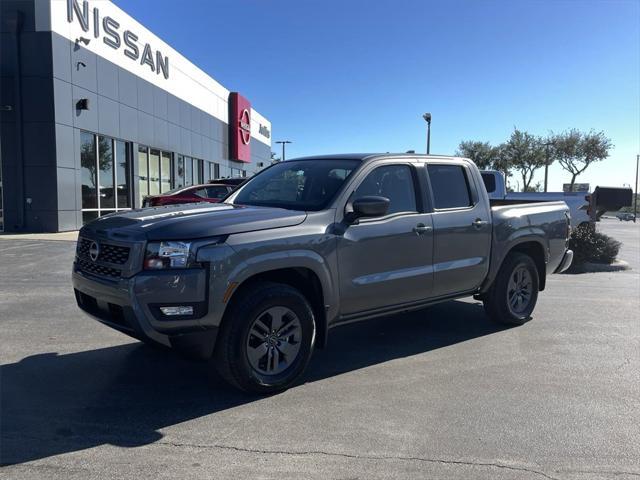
(191, 221)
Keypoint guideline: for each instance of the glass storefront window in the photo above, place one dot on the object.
(198, 171)
(214, 171)
(180, 172)
(88, 173)
(165, 172)
(122, 174)
(87, 216)
(188, 171)
(154, 172)
(143, 173)
(105, 175)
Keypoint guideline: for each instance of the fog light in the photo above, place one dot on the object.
(182, 310)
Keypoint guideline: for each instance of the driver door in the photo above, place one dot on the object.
(388, 260)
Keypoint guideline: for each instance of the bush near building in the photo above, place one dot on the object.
(591, 246)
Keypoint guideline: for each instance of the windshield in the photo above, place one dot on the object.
(297, 184)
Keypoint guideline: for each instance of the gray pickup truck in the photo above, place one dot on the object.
(257, 281)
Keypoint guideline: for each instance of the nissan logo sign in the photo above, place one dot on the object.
(245, 126)
(94, 251)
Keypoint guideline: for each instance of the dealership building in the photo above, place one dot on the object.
(97, 112)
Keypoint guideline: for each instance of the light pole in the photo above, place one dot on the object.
(283, 142)
(635, 198)
(427, 118)
(546, 165)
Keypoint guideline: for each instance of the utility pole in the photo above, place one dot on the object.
(283, 142)
(635, 198)
(427, 118)
(546, 166)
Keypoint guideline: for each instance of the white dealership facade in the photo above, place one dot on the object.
(97, 112)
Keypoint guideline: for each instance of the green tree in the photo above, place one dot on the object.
(482, 153)
(525, 153)
(577, 150)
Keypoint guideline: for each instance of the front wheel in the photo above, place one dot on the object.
(266, 339)
(514, 293)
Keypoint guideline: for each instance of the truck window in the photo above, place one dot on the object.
(489, 181)
(449, 185)
(394, 182)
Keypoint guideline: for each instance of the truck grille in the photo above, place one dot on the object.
(108, 253)
(95, 269)
(110, 257)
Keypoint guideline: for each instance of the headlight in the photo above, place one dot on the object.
(163, 255)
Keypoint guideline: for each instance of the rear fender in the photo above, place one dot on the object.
(520, 238)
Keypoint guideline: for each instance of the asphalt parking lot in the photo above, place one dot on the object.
(440, 393)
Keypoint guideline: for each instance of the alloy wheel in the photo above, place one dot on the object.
(274, 340)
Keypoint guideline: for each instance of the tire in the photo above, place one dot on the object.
(256, 361)
(514, 293)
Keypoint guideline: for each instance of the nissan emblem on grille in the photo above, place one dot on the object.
(94, 251)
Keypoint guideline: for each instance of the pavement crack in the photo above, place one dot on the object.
(361, 457)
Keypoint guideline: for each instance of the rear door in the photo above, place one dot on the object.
(387, 261)
(462, 229)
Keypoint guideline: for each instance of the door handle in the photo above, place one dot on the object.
(478, 222)
(421, 228)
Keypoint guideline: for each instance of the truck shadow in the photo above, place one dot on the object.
(59, 403)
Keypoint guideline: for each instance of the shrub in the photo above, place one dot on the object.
(589, 245)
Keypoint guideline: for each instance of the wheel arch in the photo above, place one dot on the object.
(311, 277)
(536, 251)
(531, 246)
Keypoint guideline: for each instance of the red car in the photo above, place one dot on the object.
(192, 194)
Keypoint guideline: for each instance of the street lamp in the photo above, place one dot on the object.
(635, 197)
(546, 165)
(283, 142)
(427, 118)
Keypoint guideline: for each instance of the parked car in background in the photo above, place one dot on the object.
(234, 182)
(627, 217)
(586, 207)
(579, 203)
(211, 193)
(309, 244)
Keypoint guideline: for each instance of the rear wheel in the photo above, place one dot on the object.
(514, 293)
(267, 339)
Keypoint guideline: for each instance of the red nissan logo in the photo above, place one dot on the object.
(245, 126)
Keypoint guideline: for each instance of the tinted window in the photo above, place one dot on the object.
(216, 192)
(489, 182)
(297, 184)
(449, 185)
(200, 192)
(394, 182)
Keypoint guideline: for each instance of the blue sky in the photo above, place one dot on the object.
(344, 76)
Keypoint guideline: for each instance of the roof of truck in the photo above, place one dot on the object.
(371, 156)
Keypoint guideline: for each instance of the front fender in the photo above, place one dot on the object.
(254, 265)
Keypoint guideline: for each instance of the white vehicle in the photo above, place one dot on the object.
(579, 203)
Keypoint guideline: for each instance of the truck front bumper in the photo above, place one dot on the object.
(132, 306)
(566, 261)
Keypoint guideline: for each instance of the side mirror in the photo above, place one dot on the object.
(369, 206)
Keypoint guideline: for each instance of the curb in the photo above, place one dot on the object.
(590, 267)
